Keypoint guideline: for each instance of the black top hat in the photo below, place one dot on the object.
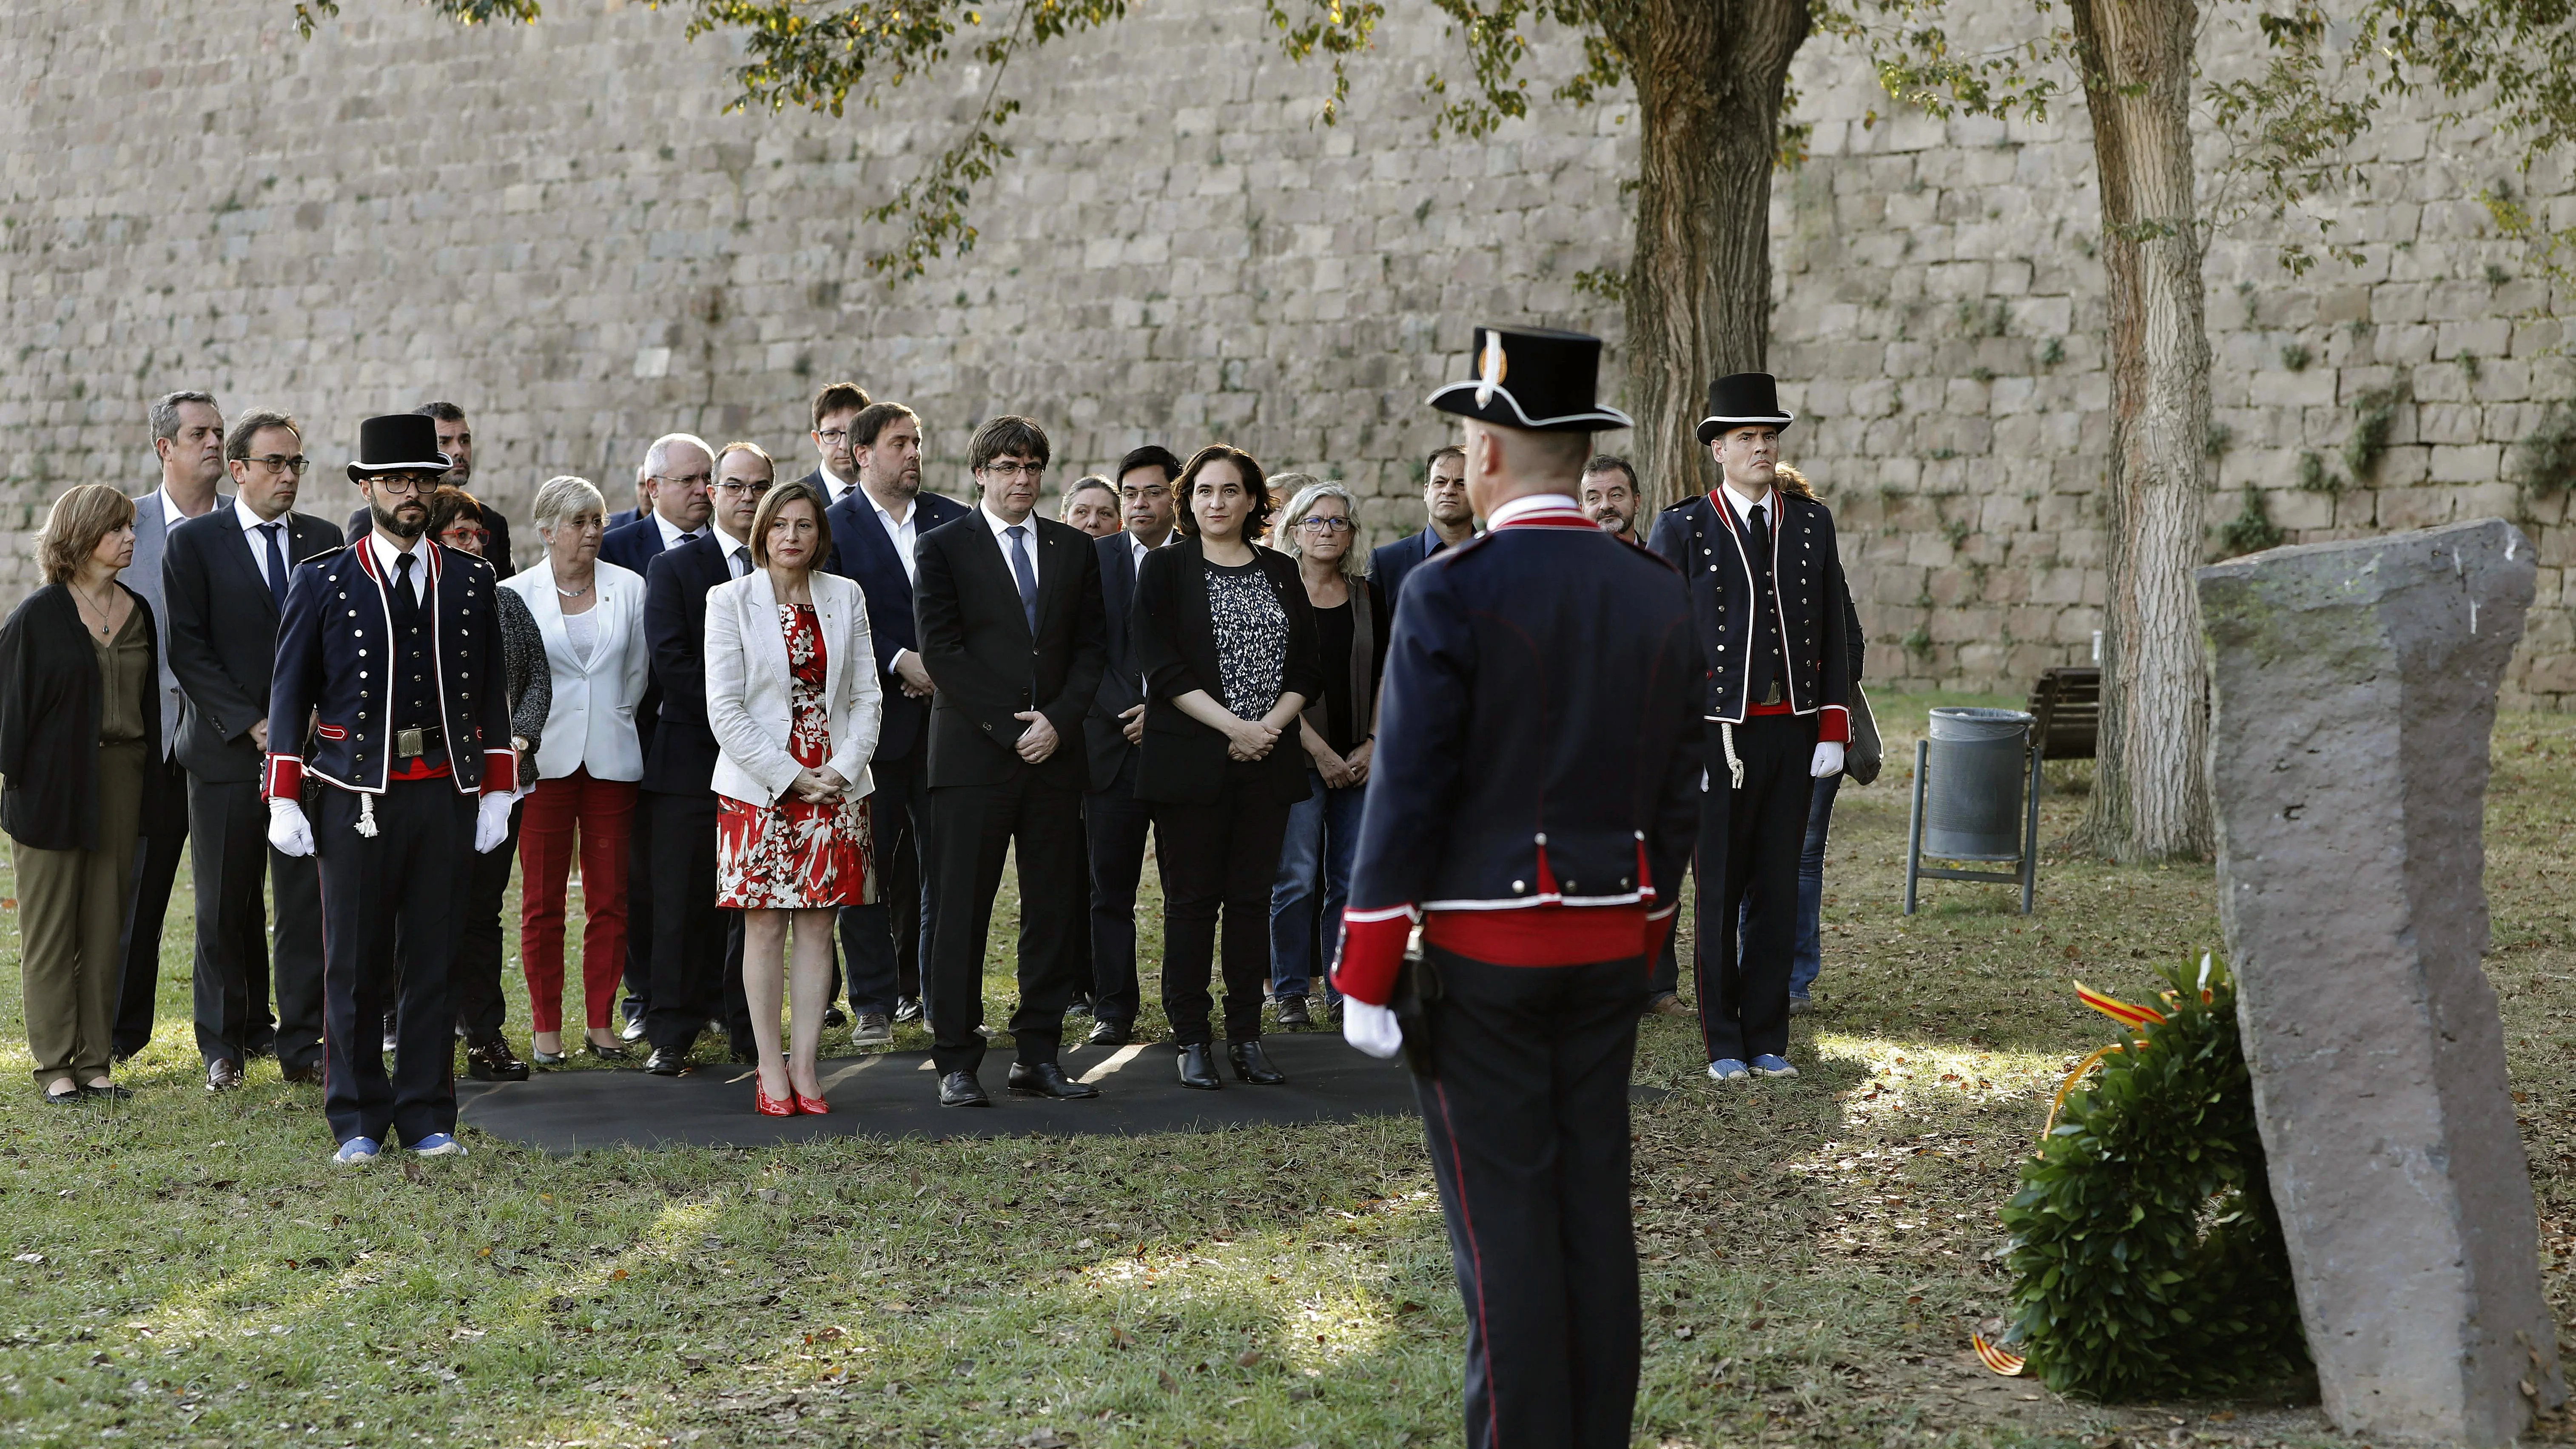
(1746, 397)
(1534, 378)
(399, 443)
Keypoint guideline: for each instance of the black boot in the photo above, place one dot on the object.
(1198, 1067)
(1252, 1066)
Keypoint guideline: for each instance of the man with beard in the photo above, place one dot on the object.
(1452, 522)
(873, 530)
(1609, 496)
(392, 646)
(456, 440)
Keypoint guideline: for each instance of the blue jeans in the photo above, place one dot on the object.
(1324, 826)
(1808, 959)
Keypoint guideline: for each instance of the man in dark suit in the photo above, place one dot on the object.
(1008, 606)
(456, 440)
(224, 578)
(1452, 522)
(837, 406)
(1114, 822)
(695, 949)
(676, 478)
(874, 528)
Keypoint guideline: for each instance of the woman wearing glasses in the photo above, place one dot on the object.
(1226, 641)
(1337, 735)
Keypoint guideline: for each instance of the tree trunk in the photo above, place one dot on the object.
(2150, 797)
(1709, 78)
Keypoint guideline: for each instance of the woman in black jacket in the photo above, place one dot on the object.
(1225, 638)
(80, 726)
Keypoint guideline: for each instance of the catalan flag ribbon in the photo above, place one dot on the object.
(2120, 1011)
(2007, 1364)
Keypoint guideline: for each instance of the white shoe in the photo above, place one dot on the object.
(1727, 1069)
(1767, 1065)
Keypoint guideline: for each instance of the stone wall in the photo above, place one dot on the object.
(559, 228)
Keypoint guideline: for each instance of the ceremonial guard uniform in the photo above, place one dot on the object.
(392, 659)
(1766, 591)
(1534, 798)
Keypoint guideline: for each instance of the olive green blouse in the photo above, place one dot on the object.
(124, 665)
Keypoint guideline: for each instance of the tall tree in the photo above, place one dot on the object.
(1710, 78)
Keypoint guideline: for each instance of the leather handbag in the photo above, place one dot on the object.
(1866, 752)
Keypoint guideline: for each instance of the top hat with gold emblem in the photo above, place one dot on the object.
(1533, 378)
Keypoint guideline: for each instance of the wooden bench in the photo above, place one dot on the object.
(2067, 703)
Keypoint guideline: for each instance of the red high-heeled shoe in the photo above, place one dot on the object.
(770, 1106)
(812, 1106)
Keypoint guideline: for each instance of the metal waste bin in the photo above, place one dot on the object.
(1976, 798)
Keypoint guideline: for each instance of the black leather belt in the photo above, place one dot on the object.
(412, 744)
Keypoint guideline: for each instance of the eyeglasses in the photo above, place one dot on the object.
(692, 480)
(1014, 470)
(1314, 524)
(834, 436)
(465, 534)
(753, 489)
(280, 463)
(400, 483)
(1154, 494)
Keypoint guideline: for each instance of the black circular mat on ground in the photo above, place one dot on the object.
(896, 1094)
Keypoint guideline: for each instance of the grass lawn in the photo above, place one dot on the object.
(188, 1270)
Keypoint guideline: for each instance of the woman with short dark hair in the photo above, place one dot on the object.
(1225, 639)
(80, 731)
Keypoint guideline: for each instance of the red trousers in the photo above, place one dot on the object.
(601, 810)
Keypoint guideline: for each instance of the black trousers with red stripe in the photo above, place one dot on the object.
(408, 880)
(1749, 843)
(1527, 1118)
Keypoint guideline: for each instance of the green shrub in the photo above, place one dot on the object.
(2251, 530)
(2146, 1258)
(2374, 417)
(2544, 462)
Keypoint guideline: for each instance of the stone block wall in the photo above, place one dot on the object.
(559, 227)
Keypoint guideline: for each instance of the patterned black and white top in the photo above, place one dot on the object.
(1251, 628)
(523, 659)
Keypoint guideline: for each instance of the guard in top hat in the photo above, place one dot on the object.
(390, 652)
(1532, 807)
(1766, 589)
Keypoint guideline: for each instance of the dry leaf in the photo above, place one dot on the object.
(620, 1273)
(1248, 1358)
(1164, 1377)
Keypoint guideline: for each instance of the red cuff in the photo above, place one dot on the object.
(284, 779)
(500, 771)
(1833, 725)
(1373, 945)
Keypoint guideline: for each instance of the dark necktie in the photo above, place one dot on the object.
(1766, 604)
(276, 564)
(406, 604)
(742, 561)
(1028, 573)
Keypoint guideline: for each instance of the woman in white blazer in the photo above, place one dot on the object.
(591, 615)
(793, 701)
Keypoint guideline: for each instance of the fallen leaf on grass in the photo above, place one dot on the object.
(1248, 1358)
(1406, 1307)
(619, 1274)
(1120, 1338)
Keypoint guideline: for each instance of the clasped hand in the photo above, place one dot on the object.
(1250, 739)
(816, 786)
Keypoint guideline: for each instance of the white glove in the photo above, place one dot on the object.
(1829, 760)
(1371, 1028)
(288, 830)
(491, 822)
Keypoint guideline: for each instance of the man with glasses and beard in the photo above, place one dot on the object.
(392, 647)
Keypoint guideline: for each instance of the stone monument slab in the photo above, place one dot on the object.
(2353, 692)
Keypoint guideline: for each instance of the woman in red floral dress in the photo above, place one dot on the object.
(793, 701)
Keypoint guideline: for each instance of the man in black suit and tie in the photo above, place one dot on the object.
(837, 406)
(1113, 821)
(456, 440)
(224, 577)
(874, 528)
(676, 479)
(1452, 521)
(694, 949)
(1008, 606)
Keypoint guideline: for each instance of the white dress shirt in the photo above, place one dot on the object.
(737, 553)
(1136, 546)
(832, 483)
(251, 524)
(672, 534)
(1769, 503)
(903, 535)
(1002, 540)
(1528, 504)
(386, 556)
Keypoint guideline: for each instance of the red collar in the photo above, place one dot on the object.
(1541, 511)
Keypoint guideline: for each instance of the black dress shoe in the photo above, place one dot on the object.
(1081, 1007)
(607, 1053)
(1046, 1079)
(1251, 1065)
(111, 1092)
(1110, 1032)
(307, 1075)
(667, 1063)
(908, 1009)
(1292, 1012)
(834, 1018)
(1198, 1067)
(222, 1076)
(493, 1061)
(960, 1089)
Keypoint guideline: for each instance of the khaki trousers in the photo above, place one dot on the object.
(71, 921)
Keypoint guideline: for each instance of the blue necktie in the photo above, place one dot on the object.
(1028, 574)
(276, 565)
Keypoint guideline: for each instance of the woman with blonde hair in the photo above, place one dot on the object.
(1337, 735)
(793, 701)
(80, 729)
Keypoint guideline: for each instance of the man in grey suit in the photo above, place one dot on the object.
(225, 578)
(188, 436)
(1114, 821)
